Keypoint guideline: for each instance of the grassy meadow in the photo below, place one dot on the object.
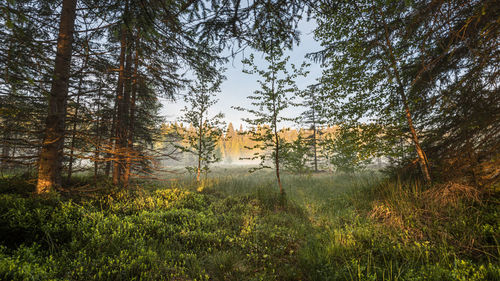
(236, 226)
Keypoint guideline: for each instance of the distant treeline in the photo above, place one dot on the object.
(235, 145)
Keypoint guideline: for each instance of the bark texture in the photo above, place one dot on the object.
(120, 111)
(51, 155)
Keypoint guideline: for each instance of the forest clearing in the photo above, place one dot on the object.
(239, 227)
(249, 140)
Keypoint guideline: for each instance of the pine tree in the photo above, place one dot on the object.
(26, 72)
(51, 155)
(313, 118)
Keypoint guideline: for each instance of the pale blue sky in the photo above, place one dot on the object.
(239, 85)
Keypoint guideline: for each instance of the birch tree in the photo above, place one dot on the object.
(207, 130)
(277, 90)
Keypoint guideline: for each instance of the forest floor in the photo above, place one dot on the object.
(236, 226)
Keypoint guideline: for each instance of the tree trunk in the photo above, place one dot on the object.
(422, 158)
(5, 135)
(73, 137)
(51, 155)
(277, 158)
(125, 118)
(200, 135)
(120, 111)
(314, 141)
(198, 171)
(7, 126)
(5, 147)
(110, 156)
(276, 136)
(75, 120)
(98, 135)
(9, 122)
(133, 97)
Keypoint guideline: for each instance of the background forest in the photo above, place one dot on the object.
(387, 169)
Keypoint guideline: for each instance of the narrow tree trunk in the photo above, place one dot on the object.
(198, 171)
(130, 144)
(314, 141)
(277, 159)
(75, 119)
(277, 154)
(7, 124)
(110, 156)
(118, 150)
(422, 158)
(51, 155)
(5, 147)
(200, 135)
(276, 136)
(98, 135)
(6, 143)
(73, 137)
(125, 118)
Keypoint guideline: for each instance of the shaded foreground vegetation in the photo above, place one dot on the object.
(238, 227)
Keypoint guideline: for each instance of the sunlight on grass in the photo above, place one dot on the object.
(236, 226)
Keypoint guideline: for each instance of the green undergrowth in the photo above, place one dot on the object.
(392, 231)
(237, 227)
(163, 234)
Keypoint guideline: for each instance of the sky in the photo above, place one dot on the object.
(239, 85)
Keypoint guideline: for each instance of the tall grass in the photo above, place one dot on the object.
(369, 227)
(236, 226)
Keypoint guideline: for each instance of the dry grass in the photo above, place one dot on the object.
(451, 194)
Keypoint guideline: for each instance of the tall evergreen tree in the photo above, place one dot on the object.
(313, 119)
(51, 155)
(26, 66)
